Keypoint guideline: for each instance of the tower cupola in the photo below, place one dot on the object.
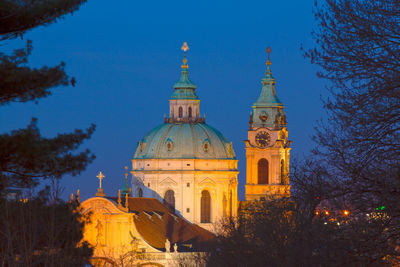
(268, 109)
(184, 103)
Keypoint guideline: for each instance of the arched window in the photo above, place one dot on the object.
(282, 172)
(169, 199)
(190, 112)
(140, 192)
(205, 207)
(263, 171)
(180, 111)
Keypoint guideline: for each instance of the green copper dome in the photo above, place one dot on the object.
(186, 141)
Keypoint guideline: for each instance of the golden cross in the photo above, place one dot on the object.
(101, 177)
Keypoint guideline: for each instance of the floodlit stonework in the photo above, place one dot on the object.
(267, 145)
(140, 232)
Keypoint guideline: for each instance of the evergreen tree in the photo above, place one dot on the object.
(25, 155)
(41, 230)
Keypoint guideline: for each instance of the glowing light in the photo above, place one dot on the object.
(326, 212)
(316, 212)
(346, 212)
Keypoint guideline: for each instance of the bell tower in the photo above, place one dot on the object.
(267, 145)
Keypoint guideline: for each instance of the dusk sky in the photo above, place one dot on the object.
(126, 58)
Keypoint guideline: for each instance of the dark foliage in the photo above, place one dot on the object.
(279, 233)
(26, 156)
(358, 51)
(20, 83)
(41, 232)
(17, 17)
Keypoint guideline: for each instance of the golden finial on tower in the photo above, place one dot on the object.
(268, 50)
(72, 198)
(268, 72)
(126, 173)
(184, 48)
(119, 198)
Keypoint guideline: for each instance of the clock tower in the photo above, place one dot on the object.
(267, 145)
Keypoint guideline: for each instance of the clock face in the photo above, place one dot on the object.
(263, 139)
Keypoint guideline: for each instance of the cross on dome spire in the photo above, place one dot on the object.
(184, 48)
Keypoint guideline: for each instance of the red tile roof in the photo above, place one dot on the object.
(156, 222)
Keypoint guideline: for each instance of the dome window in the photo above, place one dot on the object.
(169, 145)
(206, 146)
(141, 146)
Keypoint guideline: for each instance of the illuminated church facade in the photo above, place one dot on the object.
(186, 163)
(184, 176)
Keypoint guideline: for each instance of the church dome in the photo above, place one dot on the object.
(184, 141)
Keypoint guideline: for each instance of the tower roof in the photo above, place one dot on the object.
(268, 97)
(184, 88)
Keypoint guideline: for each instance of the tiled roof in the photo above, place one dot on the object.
(155, 222)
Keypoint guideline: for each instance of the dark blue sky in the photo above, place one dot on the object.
(126, 58)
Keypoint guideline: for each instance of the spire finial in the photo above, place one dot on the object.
(126, 189)
(119, 198)
(184, 48)
(78, 199)
(126, 200)
(268, 63)
(126, 174)
(268, 50)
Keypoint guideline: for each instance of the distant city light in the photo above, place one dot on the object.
(346, 212)
(326, 212)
